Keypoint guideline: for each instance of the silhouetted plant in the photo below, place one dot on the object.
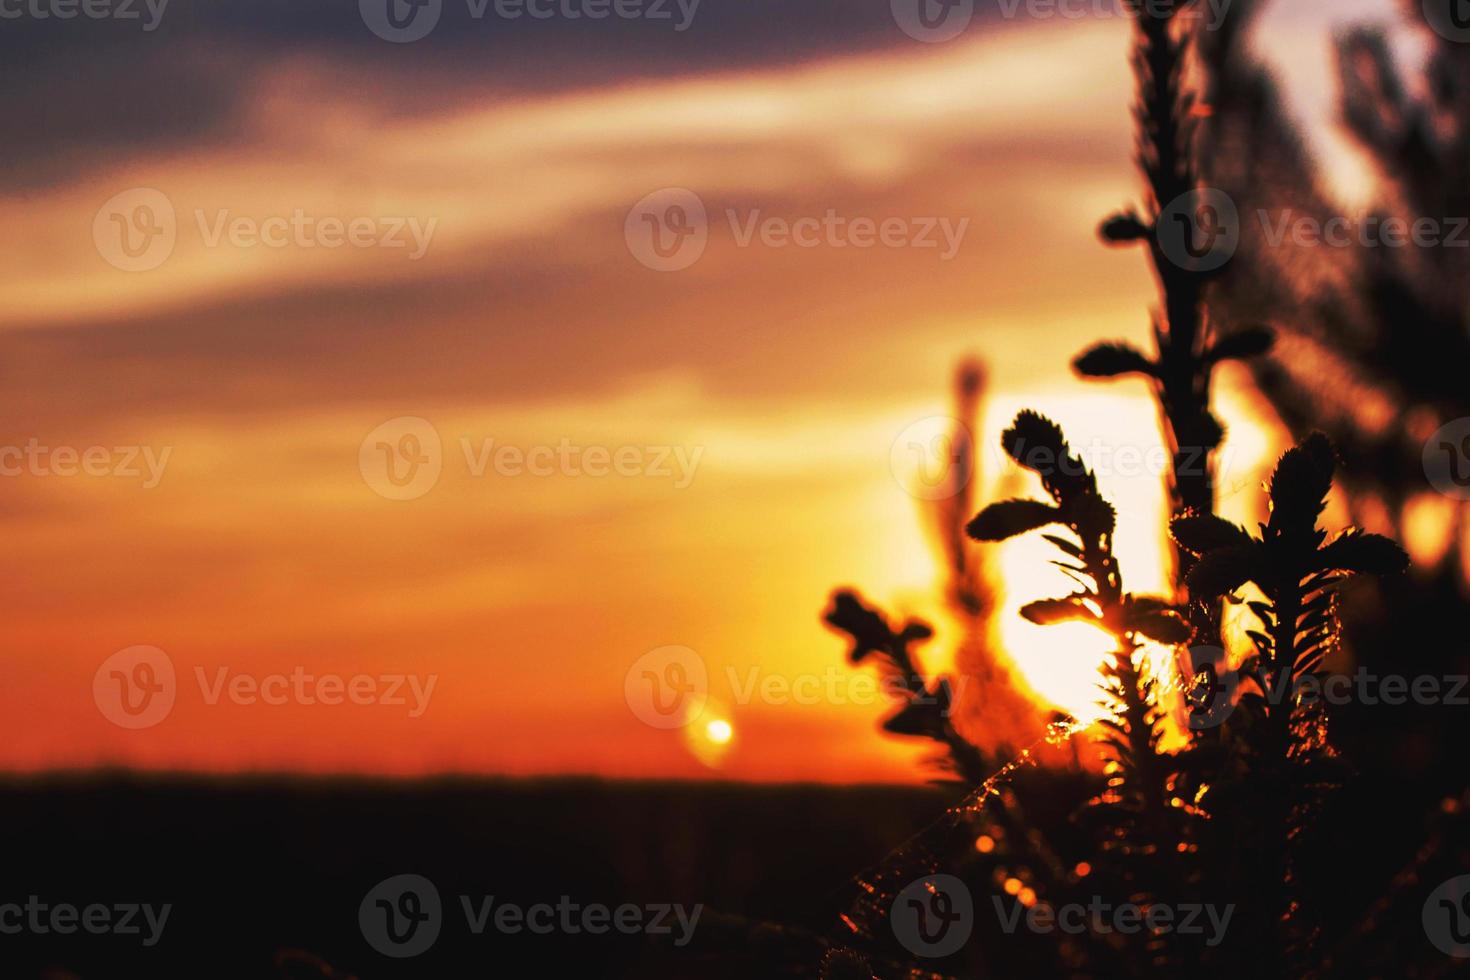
(1294, 569)
(1187, 349)
(927, 708)
(1140, 817)
(1373, 350)
(1284, 764)
(1037, 444)
(1375, 344)
(997, 695)
(1186, 353)
(1229, 814)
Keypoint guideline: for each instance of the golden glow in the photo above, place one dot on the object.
(710, 738)
(528, 322)
(1426, 518)
(984, 844)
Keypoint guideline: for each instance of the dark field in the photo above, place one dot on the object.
(265, 876)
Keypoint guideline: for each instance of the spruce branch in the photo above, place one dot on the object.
(926, 708)
(1184, 355)
(1036, 443)
(1285, 766)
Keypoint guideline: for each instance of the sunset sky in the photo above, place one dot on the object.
(780, 375)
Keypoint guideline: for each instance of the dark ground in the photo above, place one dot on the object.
(255, 868)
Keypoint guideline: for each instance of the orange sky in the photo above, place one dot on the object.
(789, 371)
